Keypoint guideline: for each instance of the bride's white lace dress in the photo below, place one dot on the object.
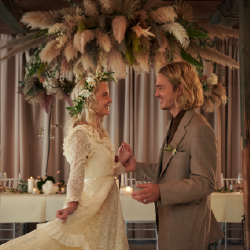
(97, 224)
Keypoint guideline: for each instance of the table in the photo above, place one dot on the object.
(20, 208)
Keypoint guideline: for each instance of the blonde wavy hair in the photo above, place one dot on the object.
(184, 74)
(88, 114)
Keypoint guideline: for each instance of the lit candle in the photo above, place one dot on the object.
(63, 190)
(34, 190)
(30, 184)
(128, 190)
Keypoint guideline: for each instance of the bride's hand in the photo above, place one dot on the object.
(124, 153)
(63, 213)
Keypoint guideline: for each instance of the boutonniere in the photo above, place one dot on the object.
(172, 149)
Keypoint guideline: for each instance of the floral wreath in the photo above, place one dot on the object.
(88, 89)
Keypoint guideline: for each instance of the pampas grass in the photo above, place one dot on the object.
(142, 59)
(107, 6)
(163, 15)
(26, 46)
(90, 8)
(82, 38)
(220, 32)
(50, 51)
(65, 66)
(208, 106)
(145, 44)
(18, 41)
(213, 55)
(142, 32)
(70, 52)
(161, 60)
(153, 4)
(37, 98)
(117, 64)
(119, 25)
(164, 44)
(39, 19)
(179, 32)
(103, 40)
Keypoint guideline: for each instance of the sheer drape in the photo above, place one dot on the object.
(135, 118)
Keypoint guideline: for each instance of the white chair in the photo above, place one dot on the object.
(224, 226)
(10, 227)
(229, 181)
(139, 225)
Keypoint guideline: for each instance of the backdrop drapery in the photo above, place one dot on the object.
(135, 118)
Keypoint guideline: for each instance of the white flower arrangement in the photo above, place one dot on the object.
(212, 79)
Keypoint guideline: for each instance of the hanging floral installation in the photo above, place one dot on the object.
(113, 34)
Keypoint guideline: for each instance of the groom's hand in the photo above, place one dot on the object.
(150, 193)
(130, 165)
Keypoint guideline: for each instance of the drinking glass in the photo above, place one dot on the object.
(240, 183)
(135, 188)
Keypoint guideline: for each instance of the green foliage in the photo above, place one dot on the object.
(62, 181)
(81, 26)
(188, 58)
(22, 186)
(193, 33)
(43, 32)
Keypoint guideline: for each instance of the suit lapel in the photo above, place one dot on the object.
(161, 153)
(179, 135)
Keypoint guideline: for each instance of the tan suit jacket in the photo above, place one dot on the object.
(186, 180)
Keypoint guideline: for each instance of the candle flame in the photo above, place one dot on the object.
(58, 172)
(31, 177)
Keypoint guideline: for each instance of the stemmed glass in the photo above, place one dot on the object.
(240, 183)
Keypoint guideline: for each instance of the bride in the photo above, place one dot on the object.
(92, 216)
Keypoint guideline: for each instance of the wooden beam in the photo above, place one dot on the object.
(8, 18)
(244, 50)
(230, 6)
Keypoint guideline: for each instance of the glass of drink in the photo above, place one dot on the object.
(240, 183)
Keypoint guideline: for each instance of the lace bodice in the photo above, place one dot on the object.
(90, 157)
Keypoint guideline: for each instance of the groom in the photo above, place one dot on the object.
(184, 177)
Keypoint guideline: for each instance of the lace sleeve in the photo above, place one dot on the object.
(119, 168)
(79, 150)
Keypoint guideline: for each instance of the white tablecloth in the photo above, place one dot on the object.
(40, 208)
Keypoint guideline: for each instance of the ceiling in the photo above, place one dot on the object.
(202, 10)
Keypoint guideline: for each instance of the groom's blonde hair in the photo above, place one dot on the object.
(184, 74)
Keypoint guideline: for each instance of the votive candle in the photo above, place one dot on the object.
(30, 185)
(63, 190)
(34, 190)
(128, 190)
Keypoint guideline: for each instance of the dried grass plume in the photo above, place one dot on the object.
(213, 55)
(82, 38)
(221, 32)
(119, 25)
(179, 32)
(163, 15)
(117, 64)
(50, 51)
(90, 8)
(103, 41)
(39, 19)
(70, 52)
